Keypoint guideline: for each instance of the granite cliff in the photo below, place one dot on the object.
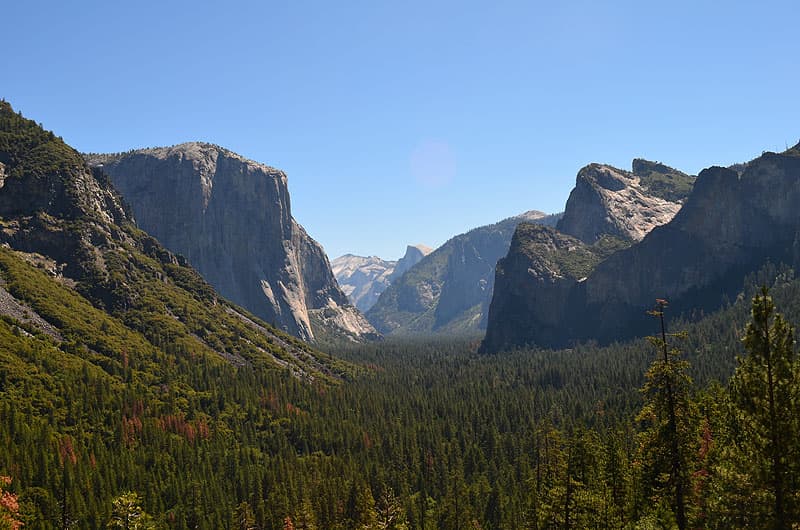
(627, 205)
(231, 218)
(729, 226)
(363, 279)
(449, 290)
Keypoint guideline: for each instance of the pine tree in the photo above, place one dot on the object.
(666, 441)
(764, 390)
(243, 517)
(127, 513)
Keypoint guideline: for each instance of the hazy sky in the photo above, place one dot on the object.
(411, 121)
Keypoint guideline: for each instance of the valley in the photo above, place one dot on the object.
(176, 351)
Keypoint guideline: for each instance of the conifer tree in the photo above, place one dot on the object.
(666, 441)
(243, 517)
(127, 514)
(764, 390)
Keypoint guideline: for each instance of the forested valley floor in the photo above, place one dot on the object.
(426, 434)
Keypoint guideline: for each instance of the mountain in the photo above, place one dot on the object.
(729, 226)
(76, 268)
(627, 205)
(449, 290)
(231, 218)
(533, 284)
(363, 279)
(413, 255)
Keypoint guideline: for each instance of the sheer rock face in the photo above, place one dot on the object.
(531, 288)
(610, 201)
(729, 226)
(231, 218)
(363, 278)
(449, 290)
(413, 255)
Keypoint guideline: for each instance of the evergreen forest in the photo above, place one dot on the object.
(692, 428)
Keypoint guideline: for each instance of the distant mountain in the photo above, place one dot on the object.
(413, 255)
(730, 225)
(363, 279)
(449, 290)
(231, 218)
(86, 284)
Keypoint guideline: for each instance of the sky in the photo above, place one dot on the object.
(411, 122)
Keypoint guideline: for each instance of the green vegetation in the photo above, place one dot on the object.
(563, 254)
(663, 181)
(30, 150)
(402, 306)
(579, 261)
(431, 436)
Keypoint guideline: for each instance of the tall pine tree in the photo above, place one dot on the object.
(666, 441)
(765, 393)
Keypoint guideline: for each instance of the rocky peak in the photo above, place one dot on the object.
(611, 201)
(533, 284)
(363, 278)
(413, 255)
(231, 217)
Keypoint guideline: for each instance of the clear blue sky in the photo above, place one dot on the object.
(411, 121)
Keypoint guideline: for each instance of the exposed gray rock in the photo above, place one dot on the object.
(20, 311)
(413, 255)
(449, 290)
(610, 201)
(534, 285)
(363, 279)
(231, 218)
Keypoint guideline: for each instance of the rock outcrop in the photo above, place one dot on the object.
(534, 284)
(729, 226)
(231, 218)
(413, 255)
(610, 201)
(449, 290)
(363, 279)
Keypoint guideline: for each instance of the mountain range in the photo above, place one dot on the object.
(363, 278)
(449, 290)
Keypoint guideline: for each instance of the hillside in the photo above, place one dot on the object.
(113, 347)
